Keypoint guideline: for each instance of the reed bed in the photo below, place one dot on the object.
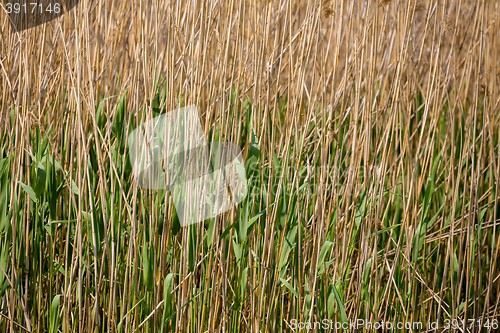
(370, 132)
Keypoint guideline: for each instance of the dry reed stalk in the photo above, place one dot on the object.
(353, 120)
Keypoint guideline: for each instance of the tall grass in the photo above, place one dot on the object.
(371, 138)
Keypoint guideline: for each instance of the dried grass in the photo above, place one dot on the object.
(377, 179)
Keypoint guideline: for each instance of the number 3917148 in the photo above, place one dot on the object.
(32, 8)
(461, 323)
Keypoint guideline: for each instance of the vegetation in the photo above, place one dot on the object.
(370, 133)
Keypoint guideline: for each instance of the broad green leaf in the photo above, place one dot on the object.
(243, 284)
(289, 287)
(243, 221)
(366, 277)
(210, 232)
(253, 155)
(3, 265)
(327, 246)
(330, 304)
(288, 245)
(54, 314)
(237, 252)
(167, 298)
(340, 305)
(254, 218)
(29, 191)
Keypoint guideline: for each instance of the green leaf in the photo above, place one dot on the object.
(237, 252)
(147, 268)
(4, 195)
(330, 305)
(340, 305)
(288, 245)
(327, 246)
(421, 232)
(243, 285)
(54, 314)
(243, 221)
(49, 159)
(191, 247)
(3, 265)
(74, 187)
(41, 177)
(167, 290)
(289, 287)
(366, 277)
(253, 155)
(120, 323)
(167, 298)
(227, 230)
(425, 222)
(210, 232)
(29, 191)
(254, 218)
